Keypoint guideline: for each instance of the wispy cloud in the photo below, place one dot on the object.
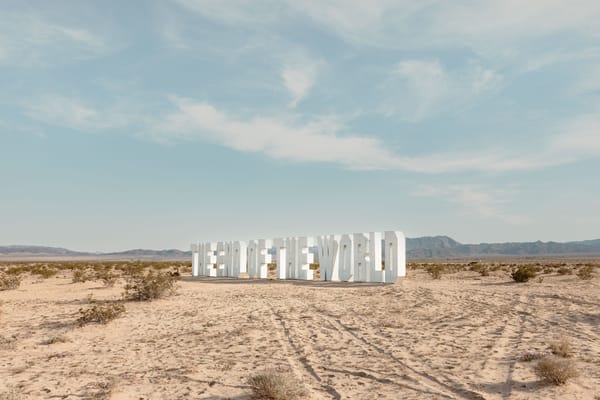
(62, 111)
(477, 200)
(406, 24)
(425, 87)
(323, 140)
(74, 113)
(31, 39)
(240, 13)
(279, 138)
(299, 78)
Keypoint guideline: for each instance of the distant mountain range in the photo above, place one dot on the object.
(439, 247)
(446, 247)
(59, 252)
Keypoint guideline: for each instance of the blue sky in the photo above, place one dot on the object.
(156, 124)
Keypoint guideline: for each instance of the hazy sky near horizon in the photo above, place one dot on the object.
(158, 123)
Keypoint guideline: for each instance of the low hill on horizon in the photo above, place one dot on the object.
(434, 247)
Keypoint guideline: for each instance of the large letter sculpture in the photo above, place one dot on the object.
(195, 257)
(280, 257)
(240, 258)
(358, 257)
(394, 256)
(329, 260)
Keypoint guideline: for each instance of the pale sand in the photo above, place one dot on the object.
(456, 338)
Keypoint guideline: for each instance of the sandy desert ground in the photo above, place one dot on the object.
(460, 337)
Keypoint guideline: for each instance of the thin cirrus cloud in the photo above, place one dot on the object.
(426, 87)
(439, 23)
(278, 138)
(321, 141)
(476, 200)
(77, 114)
(61, 111)
(35, 40)
(298, 80)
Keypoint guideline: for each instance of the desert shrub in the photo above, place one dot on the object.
(8, 282)
(586, 272)
(153, 285)
(54, 339)
(435, 270)
(107, 277)
(529, 356)
(562, 348)
(97, 267)
(80, 276)
(100, 313)
(160, 265)
(131, 269)
(523, 273)
(275, 386)
(44, 271)
(10, 394)
(564, 271)
(17, 270)
(548, 270)
(556, 371)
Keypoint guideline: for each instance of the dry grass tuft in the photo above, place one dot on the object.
(10, 394)
(564, 271)
(562, 348)
(81, 276)
(586, 273)
(274, 385)
(150, 286)
(523, 273)
(55, 339)
(556, 371)
(435, 270)
(99, 313)
(107, 277)
(8, 282)
(530, 356)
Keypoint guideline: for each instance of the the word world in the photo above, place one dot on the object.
(357, 257)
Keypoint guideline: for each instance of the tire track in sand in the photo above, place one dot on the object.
(448, 389)
(297, 360)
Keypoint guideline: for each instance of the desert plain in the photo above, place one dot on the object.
(469, 332)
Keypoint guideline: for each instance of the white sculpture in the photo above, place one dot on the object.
(346, 257)
(280, 257)
(239, 258)
(304, 258)
(329, 260)
(394, 255)
(195, 257)
(358, 257)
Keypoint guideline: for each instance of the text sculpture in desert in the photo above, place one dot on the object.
(352, 257)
